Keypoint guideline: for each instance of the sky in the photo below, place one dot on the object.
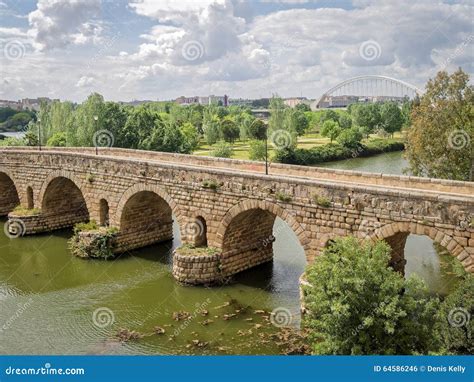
(162, 49)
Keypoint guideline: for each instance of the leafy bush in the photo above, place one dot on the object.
(334, 151)
(257, 150)
(222, 150)
(57, 140)
(357, 304)
(350, 138)
(455, 325)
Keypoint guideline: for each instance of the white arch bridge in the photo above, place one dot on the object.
(371, 86)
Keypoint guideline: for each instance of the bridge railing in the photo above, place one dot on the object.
(310, 172)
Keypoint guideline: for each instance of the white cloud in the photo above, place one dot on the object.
(58, 23)
(85, 81)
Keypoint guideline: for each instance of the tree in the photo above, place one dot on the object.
(455, 324)
(257, 150)
(257, 129)
(300, 120)
(350, 138)
(139, 130)
(391, 117)
(330, 129)
(114, 119)
(440, 139)
(57, 140)
(222, 150)
(303, 107)
(328, 115)
(345, 121)
(357, 304)
(230, 131)
(190, 138)
(366, 117)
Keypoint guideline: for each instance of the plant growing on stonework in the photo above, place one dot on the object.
(210, 183)
(22, 211)
(90, 178)
(357, 304)
(98, 244)
(283, 197)
(321, 200)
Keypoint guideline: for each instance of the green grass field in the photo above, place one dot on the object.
(241, 148)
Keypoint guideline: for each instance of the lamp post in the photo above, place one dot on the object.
(95, 135)
(39, 133)
(266, 149)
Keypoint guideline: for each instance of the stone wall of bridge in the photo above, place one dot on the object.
(237, 207)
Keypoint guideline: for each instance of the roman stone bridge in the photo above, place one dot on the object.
(228, 205)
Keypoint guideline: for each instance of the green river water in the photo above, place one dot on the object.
(52, 303)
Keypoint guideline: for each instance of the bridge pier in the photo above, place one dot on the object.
(397, 244)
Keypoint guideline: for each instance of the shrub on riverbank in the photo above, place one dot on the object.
(356, 304)
(93, 241)
(335, 151)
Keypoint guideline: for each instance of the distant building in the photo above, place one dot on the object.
(206, 100)
(346, 100)
(27, 103)
(292, 102)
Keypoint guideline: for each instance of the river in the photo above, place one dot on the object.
(52, 303)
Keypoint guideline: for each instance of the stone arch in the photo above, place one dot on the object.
(9, 197)
(400, 231)
(144, 217)
(29, 197)
(104, 212)
(63, 203)
(79, 183)
(245, 235)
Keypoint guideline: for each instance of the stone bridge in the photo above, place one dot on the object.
(228, 205)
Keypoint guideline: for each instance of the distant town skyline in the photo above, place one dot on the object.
(161, 49)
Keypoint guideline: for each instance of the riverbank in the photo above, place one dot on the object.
(335, 151)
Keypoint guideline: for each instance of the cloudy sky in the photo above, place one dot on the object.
(161, 49)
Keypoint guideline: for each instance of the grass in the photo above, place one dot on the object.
(22, 211)
(191, 250)
(307, 141)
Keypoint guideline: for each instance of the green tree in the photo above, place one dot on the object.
(357, 304)
(330, 129)
(303, 107)
(455, 319)
(230, 130)
(114, 119)
(57, 140)
(391, 117)
(328, 115)
(350, 138)
(440, 139)
(345, 121)
(366, 117)
(84, 122)
(190, 137)
(257, 150)
(257, 129)
(139, 130)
